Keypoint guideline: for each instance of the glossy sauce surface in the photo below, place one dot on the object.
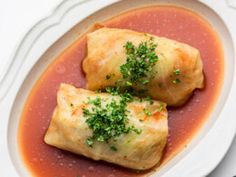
(172, 22)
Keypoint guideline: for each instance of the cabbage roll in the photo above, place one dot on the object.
(140, 147)
(178, 71)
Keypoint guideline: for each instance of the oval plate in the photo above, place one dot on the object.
(45, 41)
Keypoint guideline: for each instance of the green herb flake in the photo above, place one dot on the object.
(138, 131)
(145, 81)
(147, 112)
(96, 101)
(161, 107)
(176, 81)
(128, 83)
(89, 142)
(113, 90)
(177, 72)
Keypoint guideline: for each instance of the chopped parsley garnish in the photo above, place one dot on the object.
(128, 83)
(161, 107)
(89, 142)
(108, 120)
(147, 112)
(138, 69)
(176, 81)
(113, 90)
(140, 61)
(126, 94)
(177, 71)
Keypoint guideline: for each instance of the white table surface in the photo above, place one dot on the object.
(18, 16)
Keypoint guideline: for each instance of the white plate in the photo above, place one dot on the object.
(30, 59)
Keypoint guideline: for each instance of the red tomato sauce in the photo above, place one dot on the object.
(184, 122)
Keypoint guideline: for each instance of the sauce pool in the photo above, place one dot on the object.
(184, 122)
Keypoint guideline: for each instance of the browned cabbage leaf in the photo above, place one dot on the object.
(106, 54)
(68, 130)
